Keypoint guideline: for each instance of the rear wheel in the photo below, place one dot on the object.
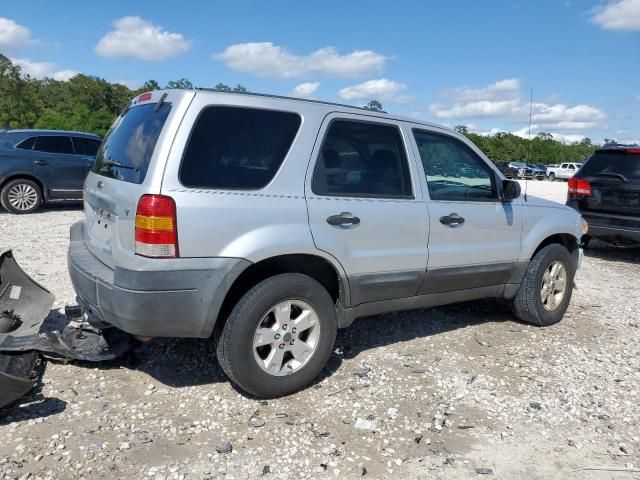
(545, 291)
(279, 336)
(21, 196)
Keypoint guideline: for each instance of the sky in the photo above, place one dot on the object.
(459, 62)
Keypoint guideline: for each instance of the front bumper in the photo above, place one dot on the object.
(152, 297)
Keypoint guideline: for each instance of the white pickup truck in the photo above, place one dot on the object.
(564, 172)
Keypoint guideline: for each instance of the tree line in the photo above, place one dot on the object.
(90, 104)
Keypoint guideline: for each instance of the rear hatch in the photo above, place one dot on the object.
(614, 178)
(129, 164)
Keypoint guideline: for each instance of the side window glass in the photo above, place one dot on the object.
(453, 170)
(237, 148)
(572, 167)
(26, 144)
(362, 159)
(54, 144)
(85, 146)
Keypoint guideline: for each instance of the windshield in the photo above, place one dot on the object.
(127, 149)
(613, 164)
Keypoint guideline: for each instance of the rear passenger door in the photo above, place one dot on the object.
(474, 237)
(54, 160)
(365, 206)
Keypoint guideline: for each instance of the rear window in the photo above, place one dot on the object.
(126, 151)
(27, 144)
(237, 148)
(613, 164)
(86, 146)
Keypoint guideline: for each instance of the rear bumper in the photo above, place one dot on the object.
(152, 297)
(609, 226)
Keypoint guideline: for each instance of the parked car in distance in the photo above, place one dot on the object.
(564, 172)
(507, 169)
(539, 171)
(606, 192)
(234, 219)
(41, 165)
(516, 170)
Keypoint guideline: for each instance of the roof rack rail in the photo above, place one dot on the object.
(283, 97)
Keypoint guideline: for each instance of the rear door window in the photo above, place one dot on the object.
(362, 159)
(237, 148)
(86, 146)
(126, 151)
(54, 144)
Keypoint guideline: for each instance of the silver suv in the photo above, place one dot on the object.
(267, 223)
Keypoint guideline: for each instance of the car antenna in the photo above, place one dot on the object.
(526, 182)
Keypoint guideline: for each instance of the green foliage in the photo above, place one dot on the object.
(373, 105)
(506, 147)
(84, 103)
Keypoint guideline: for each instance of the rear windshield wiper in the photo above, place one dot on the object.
(615, 175)
(118, 164)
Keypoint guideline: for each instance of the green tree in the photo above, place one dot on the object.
(183, 83)
(373, 105)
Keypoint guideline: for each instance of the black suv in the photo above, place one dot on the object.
(41, 165)
(606, 191)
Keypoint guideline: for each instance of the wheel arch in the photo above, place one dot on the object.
(570, 242)
(26, 176)
(315, 266)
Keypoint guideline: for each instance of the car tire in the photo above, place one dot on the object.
(257, 366)
(21, 196)
(552, 177)
(529, 304)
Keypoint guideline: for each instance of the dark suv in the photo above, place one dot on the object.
(41, 165)
(606, 191)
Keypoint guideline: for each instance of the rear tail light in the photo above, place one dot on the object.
(156, 227)
(632, 150)
(579, 187)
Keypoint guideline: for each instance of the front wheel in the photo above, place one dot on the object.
(21, 196)
(545, 291)
(552, 177)
(279, 336)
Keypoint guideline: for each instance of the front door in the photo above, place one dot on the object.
(474, 237)
(365, 206)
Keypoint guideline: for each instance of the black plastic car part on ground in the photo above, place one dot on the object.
(28, 331)
(606, 191)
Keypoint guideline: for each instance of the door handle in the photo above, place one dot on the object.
(342, 220)
(41, 162)
(452, 220)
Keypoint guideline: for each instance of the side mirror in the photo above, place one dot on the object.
(510, 190)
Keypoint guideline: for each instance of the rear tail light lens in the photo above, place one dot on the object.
(579, 187)
(156, 227)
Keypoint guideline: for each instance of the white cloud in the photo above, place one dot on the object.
(41, 70)
(136, 37)
(501, 90)
(304, 90)
(618, 15)
(483, 108)
(380, 89)
(503, 100)
(13, 35)
(265, 59)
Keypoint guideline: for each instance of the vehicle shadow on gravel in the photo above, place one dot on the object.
(397, 327)
(190, 362)
(612, 253)
(57, 206)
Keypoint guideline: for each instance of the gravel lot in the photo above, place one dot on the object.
(453, 392)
